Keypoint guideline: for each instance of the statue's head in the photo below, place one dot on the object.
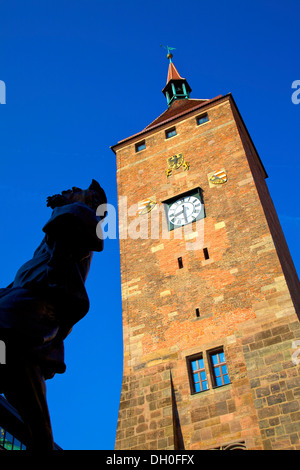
(93, 197)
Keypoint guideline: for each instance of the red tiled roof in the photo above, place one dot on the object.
(177, 108)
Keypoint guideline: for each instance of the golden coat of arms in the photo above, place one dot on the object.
(219, 177)
(146, 206)
(175, 162)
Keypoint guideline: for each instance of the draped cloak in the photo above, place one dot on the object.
(48, 296)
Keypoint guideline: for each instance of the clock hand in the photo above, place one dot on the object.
(184, 213)
(178, 213)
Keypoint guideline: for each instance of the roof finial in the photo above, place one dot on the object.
(169, 55)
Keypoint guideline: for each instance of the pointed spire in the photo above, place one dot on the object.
(177, 88)
(173, 73)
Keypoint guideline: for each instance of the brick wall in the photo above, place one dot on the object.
(242, 293)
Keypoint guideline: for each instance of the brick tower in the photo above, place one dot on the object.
(209, 290)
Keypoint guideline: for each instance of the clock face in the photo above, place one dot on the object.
(184, 211)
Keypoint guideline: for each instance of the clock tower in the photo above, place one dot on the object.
(209, 290)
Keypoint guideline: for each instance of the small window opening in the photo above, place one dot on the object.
(180, 263)
(140, 146)
(197, 312)
(171, 133)
(205, 252)
(202, 119)
(179, 90)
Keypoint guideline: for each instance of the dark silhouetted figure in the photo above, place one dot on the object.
(45, 300)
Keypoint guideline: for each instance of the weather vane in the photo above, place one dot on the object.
(169, 55)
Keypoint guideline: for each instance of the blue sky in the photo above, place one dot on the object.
(82, 75)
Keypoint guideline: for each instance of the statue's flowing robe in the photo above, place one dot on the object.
(48, 295)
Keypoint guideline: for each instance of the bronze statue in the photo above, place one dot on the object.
(45, 300)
